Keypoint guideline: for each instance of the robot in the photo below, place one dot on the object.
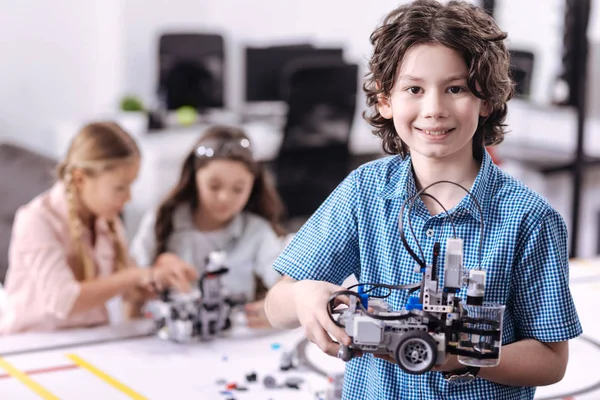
(430, 325)
(202, 313)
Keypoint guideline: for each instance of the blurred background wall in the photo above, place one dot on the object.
(64, 59)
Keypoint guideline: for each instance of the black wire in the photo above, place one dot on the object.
(334, 296)
(379, 296)
(412, 199)
(482, 224)
(384, 285)
(422, 263)
(410, 287)
(405, 242)
(443, 208)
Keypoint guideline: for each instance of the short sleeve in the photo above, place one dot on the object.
(269, 249)
(326, 247)
(143, 245)
(543, 306)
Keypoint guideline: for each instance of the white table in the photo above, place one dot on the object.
(148, 368)
(164, 370)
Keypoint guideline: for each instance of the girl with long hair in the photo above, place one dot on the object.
(224, 201)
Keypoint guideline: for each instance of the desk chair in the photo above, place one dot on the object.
(521, 71)
(314, 155)
(25, 174)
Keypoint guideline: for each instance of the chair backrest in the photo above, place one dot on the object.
(25, 174)
(521, 67)
(321, 98)
(314, 156)
(191, 69)
(265, 66)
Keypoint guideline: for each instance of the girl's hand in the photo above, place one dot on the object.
(255, 315)
(171, 271)
(310, 299)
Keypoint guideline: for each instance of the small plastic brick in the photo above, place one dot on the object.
(293, 382)
(221, 381)
(287, 361)
(231, 386)
(275, 346)
(251, 377)
(269, 382)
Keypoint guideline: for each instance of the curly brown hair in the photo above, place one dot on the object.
(264, 199)
(460, 26)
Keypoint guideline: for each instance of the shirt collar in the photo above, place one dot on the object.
(400, 184)
(183, 220)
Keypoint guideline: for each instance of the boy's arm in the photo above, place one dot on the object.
(280, 312)
(293, 303)
(543, 309)
(529, 362)
(321, 255)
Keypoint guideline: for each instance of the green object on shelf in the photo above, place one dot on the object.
(186, 115)
(131, 103)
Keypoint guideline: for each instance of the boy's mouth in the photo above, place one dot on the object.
(436, 132)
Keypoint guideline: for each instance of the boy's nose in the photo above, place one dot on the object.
(434, 106)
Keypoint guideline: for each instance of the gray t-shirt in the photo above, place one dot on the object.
(249, 241)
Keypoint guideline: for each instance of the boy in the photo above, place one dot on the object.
(439, 85)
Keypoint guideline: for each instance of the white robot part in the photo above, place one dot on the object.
(476, 285)
(453, 277)
(216, 260)
(203, 312)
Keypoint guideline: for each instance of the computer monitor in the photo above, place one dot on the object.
(264, 67)
(191, 70)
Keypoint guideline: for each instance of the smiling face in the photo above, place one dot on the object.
(433, 111)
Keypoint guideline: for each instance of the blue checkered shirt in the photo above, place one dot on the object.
(355, 231)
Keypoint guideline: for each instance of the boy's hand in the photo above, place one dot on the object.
(310, 300)
(255, 315)
(172, 271)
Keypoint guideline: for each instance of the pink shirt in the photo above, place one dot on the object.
(40, 284)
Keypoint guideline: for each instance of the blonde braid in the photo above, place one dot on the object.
(85, 269)
(120, 250)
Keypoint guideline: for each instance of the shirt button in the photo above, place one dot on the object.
(429, 232)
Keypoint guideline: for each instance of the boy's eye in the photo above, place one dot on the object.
(455, 89)
(414, 90)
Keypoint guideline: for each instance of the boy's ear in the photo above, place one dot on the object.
(384, 106)
(485, 109)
